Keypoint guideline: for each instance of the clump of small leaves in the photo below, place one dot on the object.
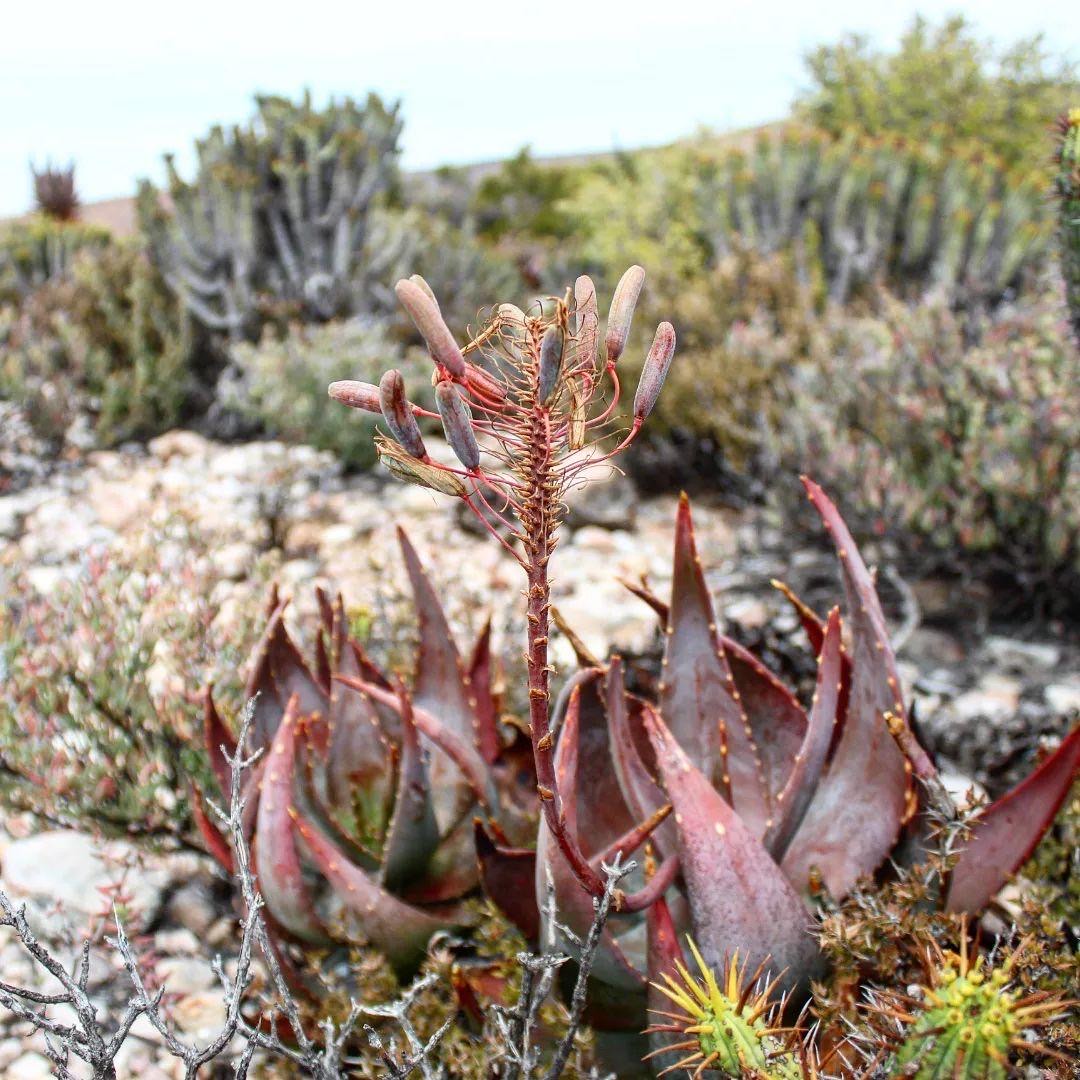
(98, 700)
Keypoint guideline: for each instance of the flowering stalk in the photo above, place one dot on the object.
(527, 406)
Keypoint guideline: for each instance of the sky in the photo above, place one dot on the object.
(115, 84)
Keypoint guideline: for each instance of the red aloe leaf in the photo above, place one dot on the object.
(358, 755)
(452, 871)
(280, 877)
(413, 834)
(792, 803)
(698, 698)
(665, 953)
(485, 705)
(508, 876)
(814, 627)
(463, 754)
(212, 836)
(216, 736)
(776, 717)
(629, 743)
(1005, 833)
(866, 794)
(398, 930)
(739, 898)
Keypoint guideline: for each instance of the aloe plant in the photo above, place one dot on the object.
(750, 803)
(361, 807)
(773, 804)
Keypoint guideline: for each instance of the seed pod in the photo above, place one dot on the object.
(655, 371)
(484, 383)
(398, 414)
(416, 279)
(357, 395)
(551, 357)
(417, 472)
(622, 312)
(587, 320)
(576, 429)
(457, 423)
(424, 312)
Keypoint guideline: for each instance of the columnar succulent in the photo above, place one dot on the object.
(277, 217)
(361, 807)
(1067, 186)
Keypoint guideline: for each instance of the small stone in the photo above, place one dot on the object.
(1021, 656)
(995, 697)
(201, 1013)
(749, 613)
(1064, 697)
(177, 941)
(31, 1066)
(184, 444)
(185, 975)
(192, 907)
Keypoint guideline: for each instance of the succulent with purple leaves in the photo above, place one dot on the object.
(361, 805)
(773, 804)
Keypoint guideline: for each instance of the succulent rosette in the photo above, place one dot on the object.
(361, 806)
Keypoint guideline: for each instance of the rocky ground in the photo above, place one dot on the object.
(985, 695)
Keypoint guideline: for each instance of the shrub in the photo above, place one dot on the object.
(961, 447)
(107, 341)
(281, 383)
(855, 211)
(275, 223)
(99, 700)
(40, 250)
(943, 85)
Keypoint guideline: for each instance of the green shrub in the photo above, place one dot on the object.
(107, 340)
(40, 250)
(855, 211)
(962, 448)
(281, 383)
(100, 694)
(942, 86)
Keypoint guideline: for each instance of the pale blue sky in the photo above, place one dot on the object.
(115, 83)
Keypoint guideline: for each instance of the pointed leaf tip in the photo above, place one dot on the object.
(1005, 833)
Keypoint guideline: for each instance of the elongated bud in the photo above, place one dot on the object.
(578, 411)
(398, 414)
(587, 319)
(484, 383)
(551, 357)
(622, 312)
(655, 371)
(357, 395)
(424, 311)
(457, 423)
(417, 472)
(416, 279)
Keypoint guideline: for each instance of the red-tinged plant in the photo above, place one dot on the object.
(361, 806)
(773, 804)
(524, 419)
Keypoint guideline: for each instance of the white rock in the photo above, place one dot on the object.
(1023, 655)
(184, 444)
(68, 869)
(185, 974)
(31, 1066)
(1064, 697)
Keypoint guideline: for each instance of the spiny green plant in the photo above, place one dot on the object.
(54, 192)
(275, 222)
(361, 811)
(1067, 188)
(969, 1018)
(733, 1025)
